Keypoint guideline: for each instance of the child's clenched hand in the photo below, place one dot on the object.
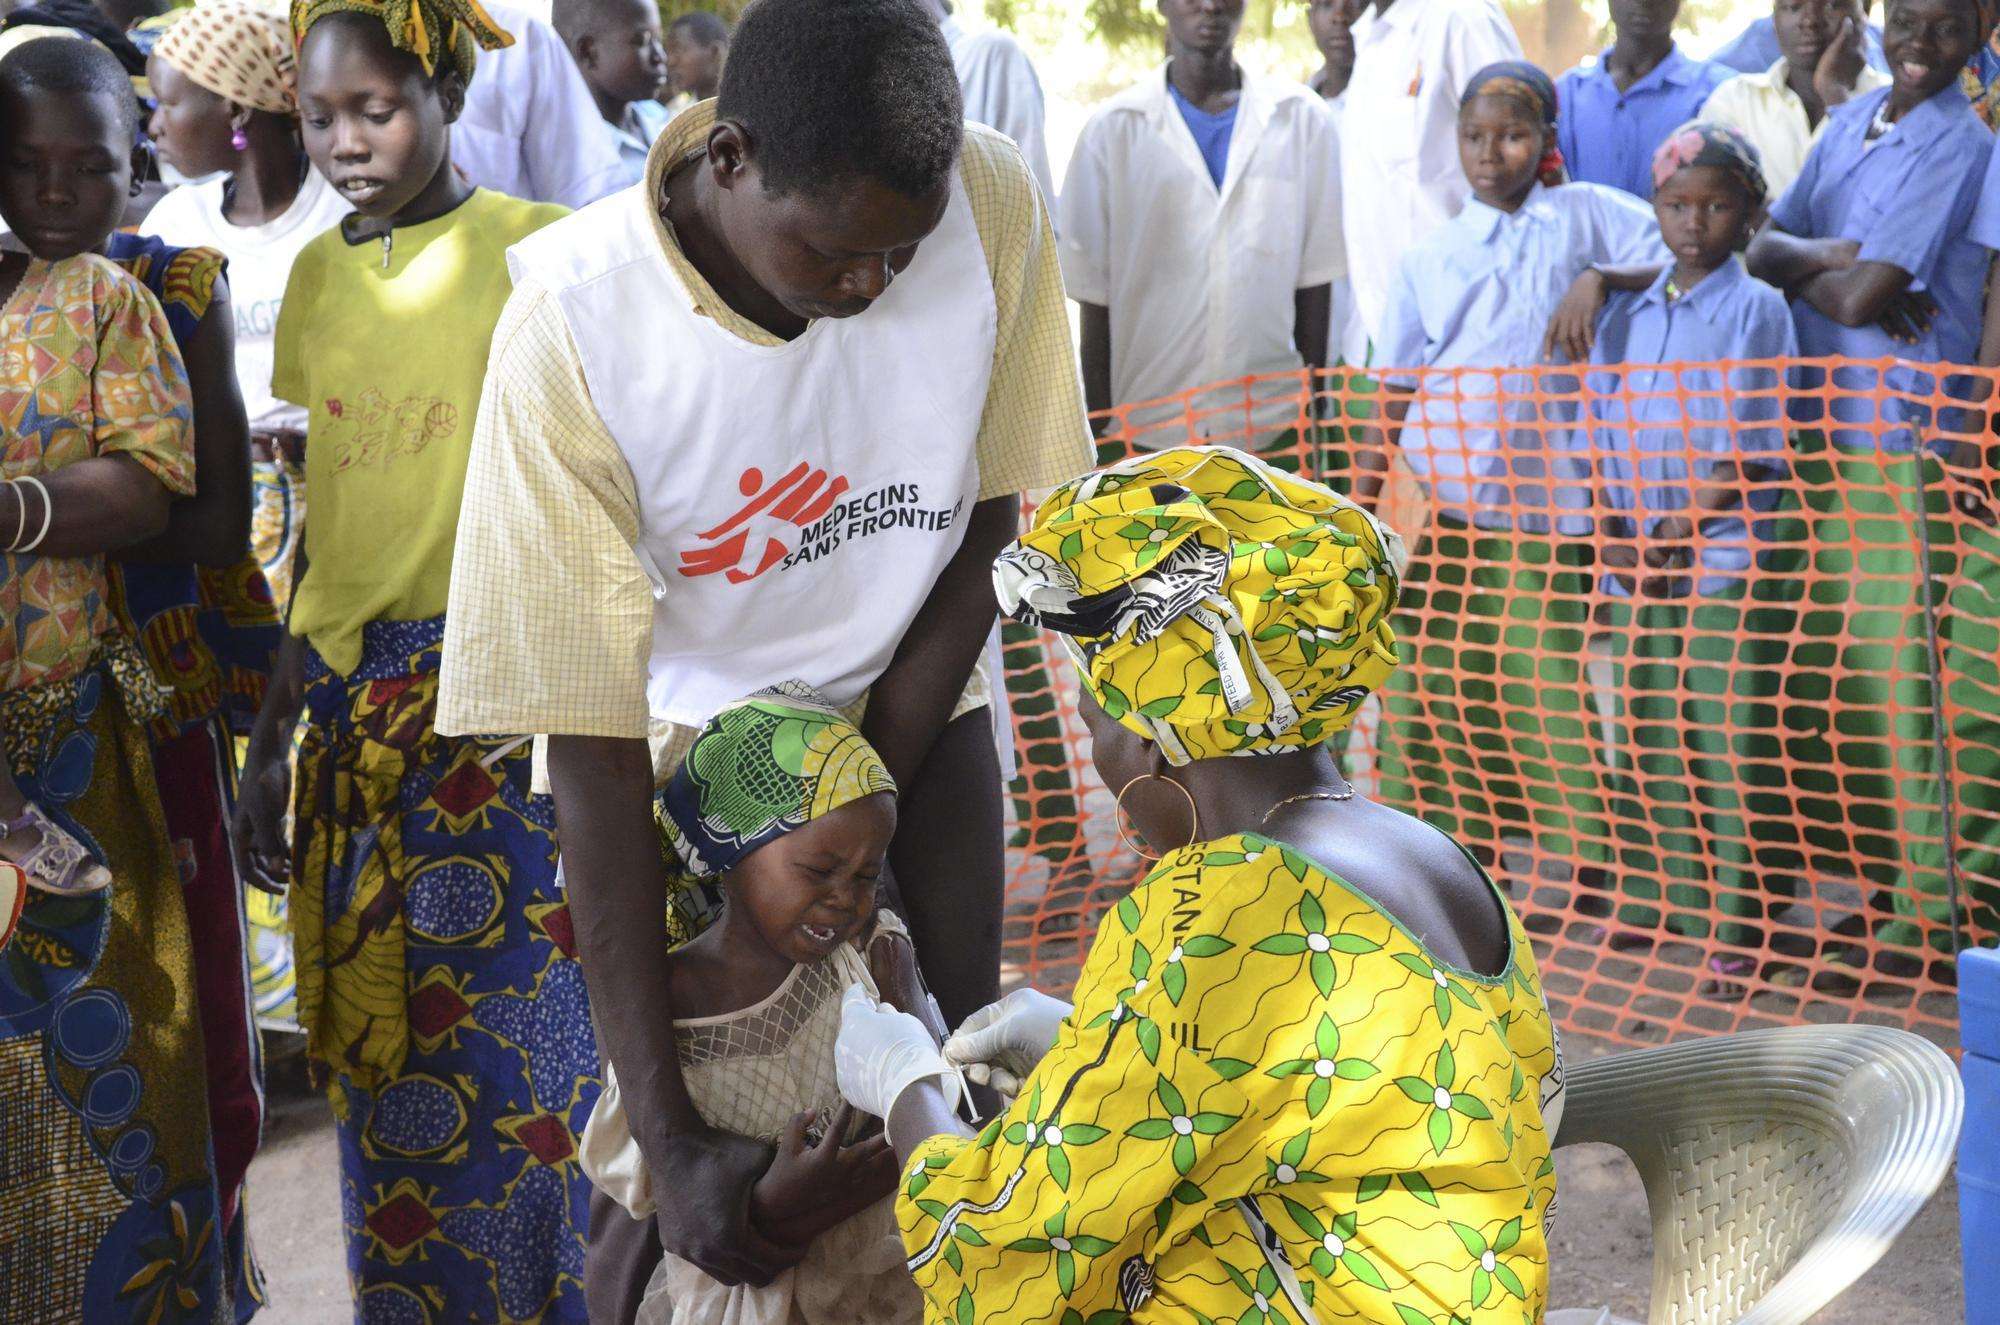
(813, 1185)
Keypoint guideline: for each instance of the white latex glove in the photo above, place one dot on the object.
(1000, 1044)
(882, 1052)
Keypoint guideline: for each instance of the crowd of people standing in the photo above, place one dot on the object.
(527, 497)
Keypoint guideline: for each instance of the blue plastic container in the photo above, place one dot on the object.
(1979, 1143)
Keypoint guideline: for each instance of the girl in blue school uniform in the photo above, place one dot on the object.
(1479, 748)
(1693, 456)
(1874, 245)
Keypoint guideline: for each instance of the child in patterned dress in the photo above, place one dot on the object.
(786, 805)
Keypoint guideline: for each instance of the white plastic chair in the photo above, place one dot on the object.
(1779, 1164)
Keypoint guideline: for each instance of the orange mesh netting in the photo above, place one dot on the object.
(1716, 702)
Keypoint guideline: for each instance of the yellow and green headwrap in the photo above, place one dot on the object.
(460, 29)
(764, 767)
(1213, 604)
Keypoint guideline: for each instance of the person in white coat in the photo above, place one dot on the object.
(1200, 236)
(1001, 89)
(530, 127)
(1399, 167)
(1332, 24)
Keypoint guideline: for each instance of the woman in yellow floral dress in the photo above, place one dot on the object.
(1309, 1075)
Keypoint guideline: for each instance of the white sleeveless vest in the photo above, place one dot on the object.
(797, 501)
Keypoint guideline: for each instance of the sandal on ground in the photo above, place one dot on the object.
(57, 863)
(1727, 973)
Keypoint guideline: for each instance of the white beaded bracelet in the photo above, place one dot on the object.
(21, 506)
(48, 515)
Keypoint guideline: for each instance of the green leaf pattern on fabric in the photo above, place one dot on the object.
(1250, 1026)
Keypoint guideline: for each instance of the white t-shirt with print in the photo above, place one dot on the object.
(260, 263)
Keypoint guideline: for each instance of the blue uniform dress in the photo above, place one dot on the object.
(1609, 137)
(1478, 292)
(1481, 745)
(1690, 744)
(1755, 49)
(1909, 200)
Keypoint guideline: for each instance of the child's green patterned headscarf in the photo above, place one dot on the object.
(764, 767)
(452, 31)
(1213, 604)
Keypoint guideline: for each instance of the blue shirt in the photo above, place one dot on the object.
(1478, 292)
(642, 125)
(1908, 201)
(1755, 49)
(1211, 132)
(1657, 429)
(1609, 137)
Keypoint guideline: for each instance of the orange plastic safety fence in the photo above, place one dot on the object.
(1702, 661)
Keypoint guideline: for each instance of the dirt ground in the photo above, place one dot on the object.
(1602, 1246)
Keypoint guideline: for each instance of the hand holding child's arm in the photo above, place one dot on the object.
(1000, 1044)
(892, 965)
(813, 1185)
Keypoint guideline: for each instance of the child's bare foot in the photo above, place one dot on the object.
(54, 861)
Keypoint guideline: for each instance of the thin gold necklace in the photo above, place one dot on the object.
(1346, 793)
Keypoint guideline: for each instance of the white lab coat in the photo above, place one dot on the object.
(1200, 280)
(530, 127)
(1002, 92)
(1400, 174)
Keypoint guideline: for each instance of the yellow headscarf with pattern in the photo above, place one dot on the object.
(460, 29)
(1213, 604)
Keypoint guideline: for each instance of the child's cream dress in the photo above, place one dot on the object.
(749, 1072)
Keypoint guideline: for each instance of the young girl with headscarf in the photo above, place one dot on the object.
(436, 989)
(781, 813)
(224, 78)
(1690, 459)
(224, 81)
(1478, 295)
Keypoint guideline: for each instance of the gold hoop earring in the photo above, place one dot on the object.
(1118, 816)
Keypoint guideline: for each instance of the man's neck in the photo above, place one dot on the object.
(1331, 80)
(1799, 78)
(1630, 61)
(610, 107)
(1208, 79)
(690, 208)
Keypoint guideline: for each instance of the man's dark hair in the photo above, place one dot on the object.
(701, 27)
(575, 18)
(127, 12)
(834, 90)
(80, 16)
(71, 65)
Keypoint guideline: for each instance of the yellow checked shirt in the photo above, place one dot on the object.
(549, 625)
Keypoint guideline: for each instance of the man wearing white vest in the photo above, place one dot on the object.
(764, 417)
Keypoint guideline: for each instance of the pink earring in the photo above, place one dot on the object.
(239, 140)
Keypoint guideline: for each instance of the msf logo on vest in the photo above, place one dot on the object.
(800, 517)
